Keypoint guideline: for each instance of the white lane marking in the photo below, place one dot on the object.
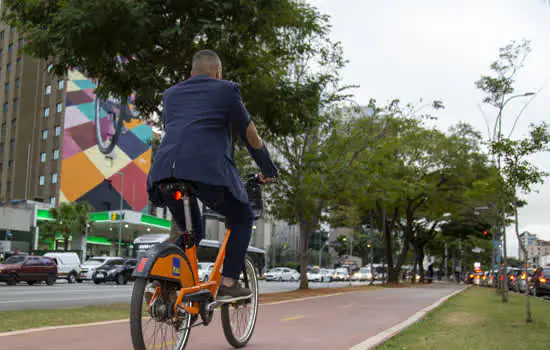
(61, 299)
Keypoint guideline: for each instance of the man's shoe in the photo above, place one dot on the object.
(233, 293)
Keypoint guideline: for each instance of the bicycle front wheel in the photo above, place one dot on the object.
(239, 318)
(152, 321)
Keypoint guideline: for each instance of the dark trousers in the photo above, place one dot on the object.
(238, 215)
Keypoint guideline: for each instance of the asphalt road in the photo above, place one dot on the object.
(63, 295)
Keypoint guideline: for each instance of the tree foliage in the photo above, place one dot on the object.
(68, 218)
(258, 41)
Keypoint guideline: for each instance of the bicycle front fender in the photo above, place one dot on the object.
(165, 261)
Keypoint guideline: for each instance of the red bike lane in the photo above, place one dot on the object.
(324, 323)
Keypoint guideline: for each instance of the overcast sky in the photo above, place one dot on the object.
(436, 49)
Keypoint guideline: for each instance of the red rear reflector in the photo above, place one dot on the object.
(141, 264)
(178, 195)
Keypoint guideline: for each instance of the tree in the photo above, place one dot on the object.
(68, 218)
(258, 41)
(499, 89)
(520, 174)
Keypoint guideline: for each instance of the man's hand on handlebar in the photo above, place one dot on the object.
(266, 180)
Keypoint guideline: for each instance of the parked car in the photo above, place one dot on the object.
(68, 265)
(205, 270)
(115, 270)
(30, 269)
(282, 274)
(90, 266)
(364, 274)
(540, 283)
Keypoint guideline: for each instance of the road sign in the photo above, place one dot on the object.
(478, 250)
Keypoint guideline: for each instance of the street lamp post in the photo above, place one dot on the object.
(501, 201)
(121, 205)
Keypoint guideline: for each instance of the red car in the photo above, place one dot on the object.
(30, 269)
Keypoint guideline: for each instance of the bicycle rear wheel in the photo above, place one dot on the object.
(239, 318)
(155, 327)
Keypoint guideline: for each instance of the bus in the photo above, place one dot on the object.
(207, 251)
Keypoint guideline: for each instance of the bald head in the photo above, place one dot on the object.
(207, 62)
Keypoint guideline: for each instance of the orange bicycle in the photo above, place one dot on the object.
(168, 297)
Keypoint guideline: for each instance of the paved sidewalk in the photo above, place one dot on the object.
(327, 323)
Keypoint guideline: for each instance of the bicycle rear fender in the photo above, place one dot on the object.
(165, 261)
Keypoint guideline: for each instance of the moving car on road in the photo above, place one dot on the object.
(341, 274)
(88, 269)
(318, 275)
(282, 274)
(540, 283)
(364, 274)
(205, 270)
(30, 269)
(115, 270)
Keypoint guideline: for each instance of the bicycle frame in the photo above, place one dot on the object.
(171, 263)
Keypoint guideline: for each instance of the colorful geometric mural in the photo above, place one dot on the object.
(89, 175)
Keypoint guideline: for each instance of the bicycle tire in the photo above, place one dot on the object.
(249, 270)
(136, 312)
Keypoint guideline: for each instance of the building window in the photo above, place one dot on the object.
(56, 154)
(50, 67)
(15, 103)
(10, 48)
(57, 130)
(7, 87)
(60, 107)
(1, 148)
(1, 52)
(12, 143)
(8, 67)
(2, 35)
(18, 61)
(17, 83)
(20, 42)
(44, 134)
(52, 201)
(43, 157)
(5, 106)
(3, 126)
(10, 164)
(54, 178)
(61, 84)
(13, 123)
(12, 29)
(8, 186)
(48, 90)
(46, 112)
(41, 180)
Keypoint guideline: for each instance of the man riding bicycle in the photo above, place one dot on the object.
(198, 116)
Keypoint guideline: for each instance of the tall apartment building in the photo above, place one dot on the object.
(32, 117)
(48, 144)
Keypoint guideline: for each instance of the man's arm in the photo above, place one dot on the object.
(240, 119)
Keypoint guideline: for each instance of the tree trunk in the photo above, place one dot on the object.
(528, 317)
(66, 241)
(421, 264)
(304, 241)
(389, 248)
(415, 264)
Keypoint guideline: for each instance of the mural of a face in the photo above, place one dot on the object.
(91, 176)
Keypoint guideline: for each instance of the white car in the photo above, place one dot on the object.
(89, 267)
(205, 270)
(319, 275)
(341, 274)
(364, 274)
(282, 274)
(68, 265)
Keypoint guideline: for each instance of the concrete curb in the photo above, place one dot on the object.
(53, 328)
(389, 333)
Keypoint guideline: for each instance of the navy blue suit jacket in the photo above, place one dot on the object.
(198, 116)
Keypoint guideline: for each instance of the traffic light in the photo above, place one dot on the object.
(485, 232)
(113, 217)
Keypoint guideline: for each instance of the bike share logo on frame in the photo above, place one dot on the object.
(176, 265)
